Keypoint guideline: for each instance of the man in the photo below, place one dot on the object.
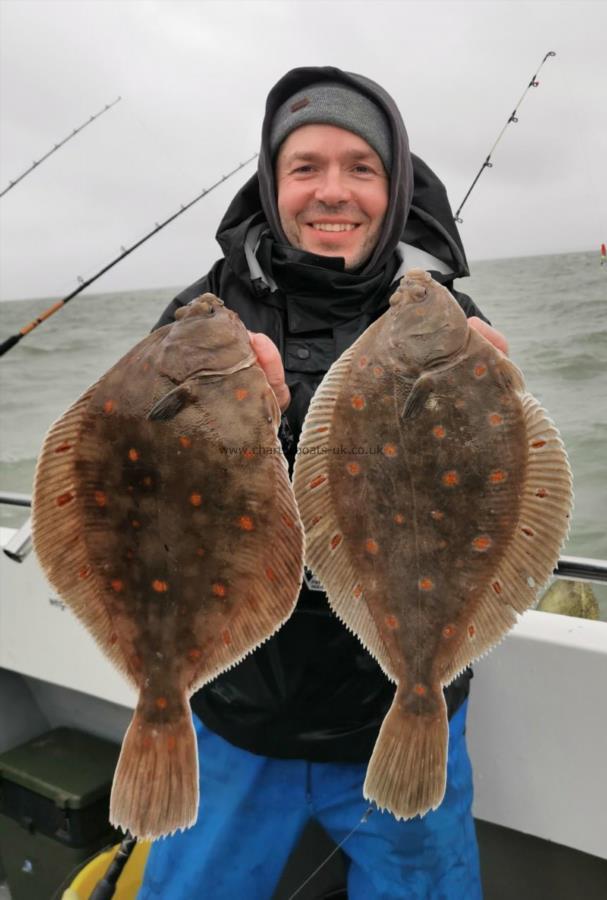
(314, 245)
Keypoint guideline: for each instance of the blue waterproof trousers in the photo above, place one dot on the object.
(253, 809)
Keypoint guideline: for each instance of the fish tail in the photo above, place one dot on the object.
(155, 789)
(407, 770)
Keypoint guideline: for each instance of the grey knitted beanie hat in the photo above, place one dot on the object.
(331, 103)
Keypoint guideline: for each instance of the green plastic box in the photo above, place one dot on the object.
(54, 805)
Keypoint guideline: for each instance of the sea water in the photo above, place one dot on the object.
(552, 309)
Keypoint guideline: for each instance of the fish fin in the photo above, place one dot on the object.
(312, 489)
(171, 404)
(155, 788)
(58, 514)
(420, 392)
(268, 586)
(407, 770)
(529, 560)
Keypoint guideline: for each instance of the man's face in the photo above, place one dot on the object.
(332, 192)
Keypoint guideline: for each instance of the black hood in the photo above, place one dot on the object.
(418, 213)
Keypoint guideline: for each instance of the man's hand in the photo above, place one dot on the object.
(269, 359)
(492, 334)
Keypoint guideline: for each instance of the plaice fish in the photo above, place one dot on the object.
(164, 516)
(435, 495)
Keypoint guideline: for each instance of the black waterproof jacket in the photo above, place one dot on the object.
(312, 691)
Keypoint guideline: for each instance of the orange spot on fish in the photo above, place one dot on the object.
(226, 637)
(371, 546)
(63, 448)
(352, 468)
(336, 541)
(315, 521)
(185, 441)
(362, 362)
(161, 702)
(471, 630)
(495, 419)
(358, 401)
(378, 371)
(420, 690)
(270, 573)
(537, 444)
(84, 572)
(482, 542)
(497, 476)
(241, 393)
(439, 431)
(425, 584)
(392, 622)
(161, 587)
(246, 523)
(108, 407)
(196, 498)
(389, 450)
(450, 478)
(528, 531)
(497, 587)
(64, 499)
(117, 585)
(113, 638)
(398, 518)
(100, 498)
(438, 515)
(358, 591)
(248, 453)
(316, 482)
(135, 523)
(480, 369)
(133, 454)
(287, 520)
(147, 481)
(321, 429)
(448, 631)
(194, 654)
(541, 492)
(171, 743)
(219, 589)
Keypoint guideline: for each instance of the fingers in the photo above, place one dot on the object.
(269, 359)
(492, 334)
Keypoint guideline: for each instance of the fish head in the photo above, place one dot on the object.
(428, 326)
(206, 337)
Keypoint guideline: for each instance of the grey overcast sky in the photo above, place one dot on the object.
(194, 76)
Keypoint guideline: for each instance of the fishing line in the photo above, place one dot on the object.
(72, 134)
(364, 818)
(124, 252)
(512, 118)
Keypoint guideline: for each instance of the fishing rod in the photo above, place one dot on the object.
(37, 162)
(6, 345)
(514, 119)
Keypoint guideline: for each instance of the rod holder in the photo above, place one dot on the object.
(20, 545)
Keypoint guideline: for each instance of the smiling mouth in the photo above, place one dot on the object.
(333, 226)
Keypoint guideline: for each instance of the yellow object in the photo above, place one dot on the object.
(128, 884)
